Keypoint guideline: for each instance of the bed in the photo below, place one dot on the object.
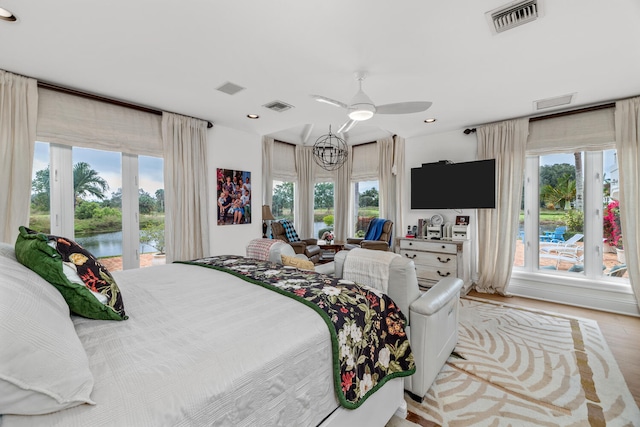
(199, 346)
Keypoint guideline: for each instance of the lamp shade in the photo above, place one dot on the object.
(266, 213)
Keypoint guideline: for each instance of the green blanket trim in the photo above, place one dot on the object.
(334, 337)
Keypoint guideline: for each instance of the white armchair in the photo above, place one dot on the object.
(432, 316)
(273, 249)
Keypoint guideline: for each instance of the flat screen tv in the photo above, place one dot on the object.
(446, 185)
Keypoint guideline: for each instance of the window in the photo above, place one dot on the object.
(93, 197)
(151, 208)
(571, 217)
(323, 209)
(283, 200)
(39, 218)
(366, 204)
(97, 178)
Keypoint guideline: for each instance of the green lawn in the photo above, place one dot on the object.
(83, 227)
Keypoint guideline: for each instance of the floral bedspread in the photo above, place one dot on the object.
(368, 338)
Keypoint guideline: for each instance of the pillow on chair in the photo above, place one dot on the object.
(289, 231)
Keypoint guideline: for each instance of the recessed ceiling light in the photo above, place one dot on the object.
(253, 116)
(429, 120)
(5, 15)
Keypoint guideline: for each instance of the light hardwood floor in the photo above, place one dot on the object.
(621, 332)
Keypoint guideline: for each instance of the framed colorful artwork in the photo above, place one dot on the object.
(234, 197)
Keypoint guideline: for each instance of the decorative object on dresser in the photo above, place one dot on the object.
(460, 231)
(436, 259)
(266, 216)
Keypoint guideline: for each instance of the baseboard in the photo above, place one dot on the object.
(598, 296)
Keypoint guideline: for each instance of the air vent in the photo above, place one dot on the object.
(514, 14)
(553, 102)
(278, 106)
(230, 88)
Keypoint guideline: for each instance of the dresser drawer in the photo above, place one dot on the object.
(433, 259)
(430, 246)
(433, 274)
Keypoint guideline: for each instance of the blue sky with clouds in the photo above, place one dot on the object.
(109, 165)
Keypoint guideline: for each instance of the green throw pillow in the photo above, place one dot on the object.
(83, 281)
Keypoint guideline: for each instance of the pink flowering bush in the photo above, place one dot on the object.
(612, 230)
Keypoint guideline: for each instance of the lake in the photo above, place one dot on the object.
(107, 244)
(110, 244)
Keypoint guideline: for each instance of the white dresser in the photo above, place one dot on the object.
(435, 259)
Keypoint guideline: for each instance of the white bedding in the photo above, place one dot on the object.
(178, 360)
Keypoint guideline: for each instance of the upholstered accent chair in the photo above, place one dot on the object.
(283, 230)
(432, 315)
(377, 237)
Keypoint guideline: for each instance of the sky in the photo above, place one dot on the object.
(109, 166)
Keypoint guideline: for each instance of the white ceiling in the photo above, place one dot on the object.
(172, 55)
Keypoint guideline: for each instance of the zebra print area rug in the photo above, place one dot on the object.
(519, 367)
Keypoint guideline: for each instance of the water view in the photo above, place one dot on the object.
(107, 244)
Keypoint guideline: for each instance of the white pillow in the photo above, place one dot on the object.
(43, 366)
(7, 250)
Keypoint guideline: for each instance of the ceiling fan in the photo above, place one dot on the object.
(362, 107)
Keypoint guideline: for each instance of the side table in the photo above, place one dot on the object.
(329, 251)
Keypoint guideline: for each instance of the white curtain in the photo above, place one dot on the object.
(627, 123)
(186, 196)
(283, 161)
(342, 196)
(304, 206)
(585, 131)
(267, 171)
(18, 120)
(73, 120)
(398, 172)
(387, 182)
(366, 162)
(506, 142)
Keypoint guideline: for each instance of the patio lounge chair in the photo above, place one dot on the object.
(576, 261)
(617, 270)
(554, 236)
(569, 246)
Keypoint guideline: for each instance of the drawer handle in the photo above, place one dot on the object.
(410, 257)
(444, 275)
(444, 261)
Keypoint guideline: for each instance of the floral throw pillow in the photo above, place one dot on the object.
(86, 285)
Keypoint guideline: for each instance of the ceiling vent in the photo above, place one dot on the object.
(278, 106)
(230, 88)
(514, 14)
(558, 101)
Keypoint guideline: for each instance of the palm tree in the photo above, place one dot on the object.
(560, 195)
(87, 181)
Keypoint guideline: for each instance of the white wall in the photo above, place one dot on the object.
(454, 146)
(232, 149)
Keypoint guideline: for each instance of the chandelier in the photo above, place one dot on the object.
(330, 151)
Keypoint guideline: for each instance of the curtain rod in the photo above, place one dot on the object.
(94, 97)
(560, 114)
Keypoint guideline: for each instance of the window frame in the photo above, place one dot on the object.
(591, 289)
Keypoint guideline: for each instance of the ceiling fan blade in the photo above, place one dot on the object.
(329, 101)
(403, 107)
(346, 127)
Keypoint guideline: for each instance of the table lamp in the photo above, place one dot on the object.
(266, 216)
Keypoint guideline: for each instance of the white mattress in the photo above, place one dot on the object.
(202, 347)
